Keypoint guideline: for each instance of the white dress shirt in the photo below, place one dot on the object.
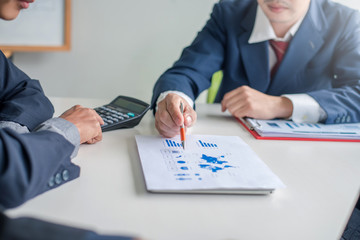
(305, 108)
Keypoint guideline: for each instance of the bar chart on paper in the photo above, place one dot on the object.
(209, 162)
(186, 165)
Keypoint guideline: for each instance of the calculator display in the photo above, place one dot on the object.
(135, 107)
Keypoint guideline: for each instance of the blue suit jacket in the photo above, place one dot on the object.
(323, 58)
(34, 162)
(29, 229)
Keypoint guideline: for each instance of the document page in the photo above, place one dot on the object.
(207, 163)
(284, 128)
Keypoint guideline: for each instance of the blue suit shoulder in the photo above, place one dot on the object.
(22, 99)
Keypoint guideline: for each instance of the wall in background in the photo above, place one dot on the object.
(120, 47)
(351, 3)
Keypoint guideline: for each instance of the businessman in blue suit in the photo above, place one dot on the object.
(297, 59)
(35, 149)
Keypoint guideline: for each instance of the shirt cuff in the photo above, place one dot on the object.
(181, 94)
(306, 109)
(63, 127)
(14, 126)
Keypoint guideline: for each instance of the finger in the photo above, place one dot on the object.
(230, 96)
(95, 139)
(190, 116)
(98, 138)
(77, 107)
(173, 108)
(224, 103)
(235, 103)
(98, 118)
(232, 103)
(233, 93)
(243, 111)
(165, 130)
(165, 118)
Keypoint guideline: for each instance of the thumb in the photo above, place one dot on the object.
(189, 117)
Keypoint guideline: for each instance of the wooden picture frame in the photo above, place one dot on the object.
(65, 46)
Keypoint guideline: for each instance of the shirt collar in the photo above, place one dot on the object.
(263, 30)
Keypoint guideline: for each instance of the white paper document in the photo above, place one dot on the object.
(284, 128)
(209, 164)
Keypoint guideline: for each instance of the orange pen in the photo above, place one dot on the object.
(182, 128)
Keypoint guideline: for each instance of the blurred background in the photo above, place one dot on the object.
(119, 47)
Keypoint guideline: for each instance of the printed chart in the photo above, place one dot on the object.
(208, 162)
(190, 165)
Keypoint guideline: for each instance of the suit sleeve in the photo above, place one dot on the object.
(22, 99)
(33, 163)
(30, 228)
(192, 73)
(341, 103)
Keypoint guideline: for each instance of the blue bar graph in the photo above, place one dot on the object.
(207, 145)
(171, 143)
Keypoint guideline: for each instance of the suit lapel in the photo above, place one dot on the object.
(305, 44)
(256, 63)
(255, 57)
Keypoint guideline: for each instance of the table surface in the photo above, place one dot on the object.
(110, 197)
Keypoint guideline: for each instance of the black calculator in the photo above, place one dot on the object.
(122, 112)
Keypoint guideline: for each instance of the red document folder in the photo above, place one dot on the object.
(257, 136)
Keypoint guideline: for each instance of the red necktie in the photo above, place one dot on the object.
(280, 50)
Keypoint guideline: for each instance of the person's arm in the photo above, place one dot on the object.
(14, 126)
(26, 228)
(22, 99)
(35, 162)
(192, 73)
(341, 103)
(305, 109)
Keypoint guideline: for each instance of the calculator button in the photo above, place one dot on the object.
(131, 114)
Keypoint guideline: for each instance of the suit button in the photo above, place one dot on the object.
(348, 119)
(58, 178)
(343, 119)
(51, 182)
(337, 120)
(65, 175)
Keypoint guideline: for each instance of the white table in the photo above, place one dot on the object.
(322, 179)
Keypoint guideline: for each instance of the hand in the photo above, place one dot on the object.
(87, 122)
(168, 117)
(247, 102)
